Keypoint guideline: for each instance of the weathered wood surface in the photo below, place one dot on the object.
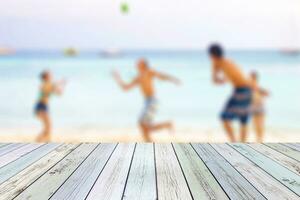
(279, 172)
(235, 185)
(149, 171)
(202, 183)
(45, 186)
(293, 146)
(269, 187)
(285, 150)
(286, 161)
(141, 183)
(78, 185)
(17, 153)
(10, 147)
(3, 144)
(171, 182)
(111, 182)
(18, 165)
(13, 186)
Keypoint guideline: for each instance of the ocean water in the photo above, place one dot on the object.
(92, 98)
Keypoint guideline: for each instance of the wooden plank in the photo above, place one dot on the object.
(171, 183)
(297, 144)
(266, 184)
(235, 185)
(282, 159)
(293, 146)
(202, 183)
(46, 185)
(111, 182)
(285, 150)
(18, 165)
(10, 147)
(18, 183)
(2, 145)
(282, 174)
(141, 183)
(81, 181)
(17, 153)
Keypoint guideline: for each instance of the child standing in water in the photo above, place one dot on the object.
(257, 108)
(47, 89)
(238, 105)
(145, 80)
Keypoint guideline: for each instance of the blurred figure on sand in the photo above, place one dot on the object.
(257, 107)
(238, 105)
(145, 81)
(47, 89)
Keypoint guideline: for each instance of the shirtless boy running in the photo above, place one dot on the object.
(145, 80)
(238, 106)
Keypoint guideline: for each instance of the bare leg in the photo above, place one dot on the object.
(229, 130)
(41, 135)
(47, 129)
(243, 133)
(258, 121)
(146, 132)
(160, 126)
(45, 135)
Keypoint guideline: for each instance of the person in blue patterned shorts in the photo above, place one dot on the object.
(238, 105)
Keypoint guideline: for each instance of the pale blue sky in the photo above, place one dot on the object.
(151, 24)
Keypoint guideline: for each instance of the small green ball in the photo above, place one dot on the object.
(124, 8)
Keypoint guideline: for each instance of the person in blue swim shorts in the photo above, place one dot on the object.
(47, 89)
(238, 105)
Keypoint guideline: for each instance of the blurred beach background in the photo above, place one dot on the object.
(93, 104)
(260, 38)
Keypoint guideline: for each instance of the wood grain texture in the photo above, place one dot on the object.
(297, 144)
(45, 186)
(267, 185)
(293, 146)
(285, 150)
(279, 172)
(10, 147)
(18, 183)
(141, 182)
(282, 159)
(111, 182)
(202, 183)
(18, 165)
(2, 145)
(171, 183)
(81, 181)
(17, 153)
(149, 171)
(232, 182)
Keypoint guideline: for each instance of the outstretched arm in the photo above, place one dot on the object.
(260, 90)
(264, 92)
(216, 76)
(122, 84)
(58, 87)
(166, 77)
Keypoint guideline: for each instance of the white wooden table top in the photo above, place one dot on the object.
(147, 171)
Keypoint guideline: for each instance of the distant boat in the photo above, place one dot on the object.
(113, 52)
(292, 52)
(4, 51)
(70, 52)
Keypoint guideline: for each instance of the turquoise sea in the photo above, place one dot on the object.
(92, 98)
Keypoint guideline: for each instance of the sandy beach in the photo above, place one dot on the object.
(131, 134)
(94, 109)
